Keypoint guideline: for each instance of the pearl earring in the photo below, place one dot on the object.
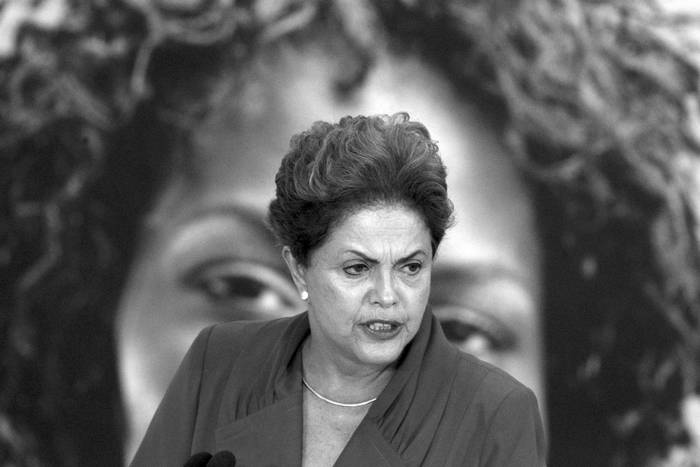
(304, 295)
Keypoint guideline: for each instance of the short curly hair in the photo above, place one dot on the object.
(331, 170)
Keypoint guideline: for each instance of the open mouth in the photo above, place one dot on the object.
(382, 329)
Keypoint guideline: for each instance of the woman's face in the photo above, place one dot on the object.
(368, 286)
(206, 256)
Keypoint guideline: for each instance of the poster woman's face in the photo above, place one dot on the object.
(206, 256)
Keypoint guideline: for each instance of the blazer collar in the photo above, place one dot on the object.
(262, 420)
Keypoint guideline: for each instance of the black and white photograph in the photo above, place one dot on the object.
(320, 233)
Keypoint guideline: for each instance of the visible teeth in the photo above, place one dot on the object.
(379, 327)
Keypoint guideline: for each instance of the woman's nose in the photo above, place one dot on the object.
(384, 293)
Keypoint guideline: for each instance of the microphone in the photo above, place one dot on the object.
(222, 459)
(204, 459)
(198, 460)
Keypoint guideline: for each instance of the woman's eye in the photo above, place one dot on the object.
(355, 269)
(413, 268)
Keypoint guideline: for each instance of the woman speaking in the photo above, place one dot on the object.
(365, 376)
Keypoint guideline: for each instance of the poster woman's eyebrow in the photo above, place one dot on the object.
(234, 210)
(478, 273)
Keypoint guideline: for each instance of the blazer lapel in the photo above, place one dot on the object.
(367, 446)
(269, 437)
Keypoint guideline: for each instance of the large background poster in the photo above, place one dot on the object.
(139, 143)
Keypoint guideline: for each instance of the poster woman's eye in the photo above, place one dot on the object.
(242, 289)
(228, 287)
(474, 332)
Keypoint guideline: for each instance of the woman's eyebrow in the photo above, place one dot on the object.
(419, 251)
(363, 256)
(400, 260)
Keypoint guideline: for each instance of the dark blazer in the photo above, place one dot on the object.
(239, 389)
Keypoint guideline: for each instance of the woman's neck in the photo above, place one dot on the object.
(341, 379)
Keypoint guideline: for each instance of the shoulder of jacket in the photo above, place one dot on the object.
(491, 381)
(225, 341)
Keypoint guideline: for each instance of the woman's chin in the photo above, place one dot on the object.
(381, 351)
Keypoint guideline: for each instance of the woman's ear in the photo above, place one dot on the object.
(297, 270)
